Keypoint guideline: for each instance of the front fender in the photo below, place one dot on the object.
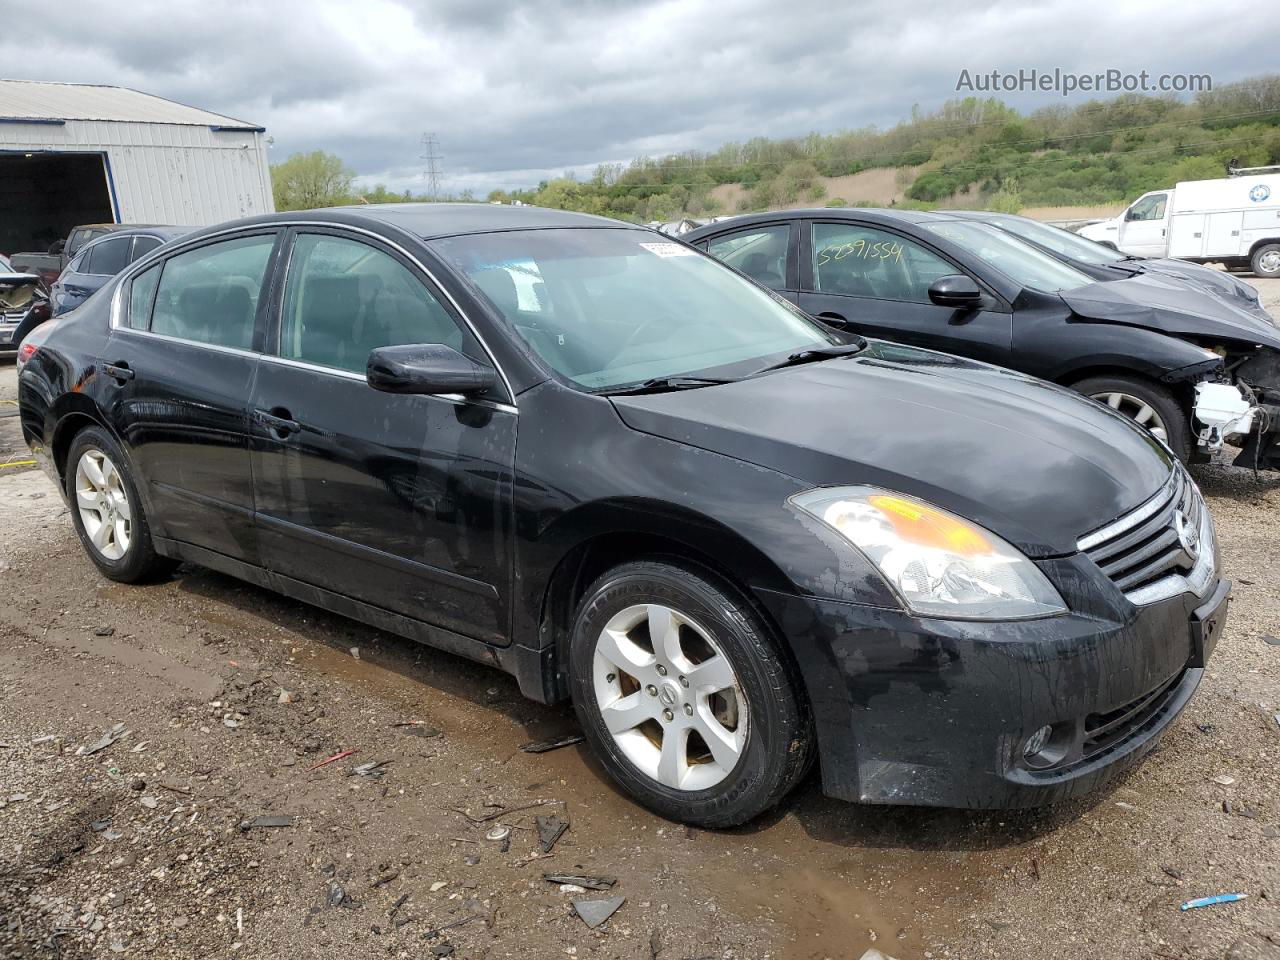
(1087, 345)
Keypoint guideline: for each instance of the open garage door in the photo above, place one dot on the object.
(44, 195)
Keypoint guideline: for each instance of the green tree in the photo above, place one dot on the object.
(308, 180)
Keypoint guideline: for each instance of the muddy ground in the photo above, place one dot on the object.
(145, 848)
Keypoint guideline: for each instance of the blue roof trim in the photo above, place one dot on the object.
(236, 129)
(48, 121)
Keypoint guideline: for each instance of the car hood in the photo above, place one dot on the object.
(1238, 293)
(1034, 463)
(1170, 305)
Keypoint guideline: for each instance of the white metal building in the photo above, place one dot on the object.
(76, 153)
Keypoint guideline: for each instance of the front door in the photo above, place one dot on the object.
(876, 283)
(1143, 231)
(402, 502)
(179, 368)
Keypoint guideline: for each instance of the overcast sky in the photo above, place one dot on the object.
(517, 92)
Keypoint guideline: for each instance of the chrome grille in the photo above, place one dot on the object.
(1159, 548)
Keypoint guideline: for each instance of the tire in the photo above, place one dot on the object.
(1138, 396)
(124, 550)
(1266, 261)
(761, 723)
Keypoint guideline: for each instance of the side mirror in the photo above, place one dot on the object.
(1131, 214)
(427, 368)
(955, 290)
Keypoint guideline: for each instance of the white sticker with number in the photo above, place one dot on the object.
(669, 249)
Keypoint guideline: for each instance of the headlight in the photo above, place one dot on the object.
(940, 565)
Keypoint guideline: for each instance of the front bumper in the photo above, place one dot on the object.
(933, 712)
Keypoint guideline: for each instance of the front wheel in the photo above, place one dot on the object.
(684, 695)
(107, 511)
(1148, 404)
(1266, 261)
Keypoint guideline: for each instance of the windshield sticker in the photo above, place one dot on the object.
(669, 249)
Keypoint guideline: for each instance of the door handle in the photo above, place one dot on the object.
(279, 421)
(119, 372)
(835, 318)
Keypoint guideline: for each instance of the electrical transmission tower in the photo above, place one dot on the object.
(432, 170)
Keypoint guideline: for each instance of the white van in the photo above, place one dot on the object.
(1234, 221)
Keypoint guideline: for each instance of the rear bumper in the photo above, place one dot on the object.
(937, 713)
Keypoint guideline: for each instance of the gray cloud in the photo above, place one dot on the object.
(519, 91)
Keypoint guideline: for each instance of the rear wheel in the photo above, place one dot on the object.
(1266, 260)
(107, 512)
(1148, 404)
(684, 696)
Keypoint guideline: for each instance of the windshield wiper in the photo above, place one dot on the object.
(663, 384)
(815, 354)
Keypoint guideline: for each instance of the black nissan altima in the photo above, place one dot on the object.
(604, 462)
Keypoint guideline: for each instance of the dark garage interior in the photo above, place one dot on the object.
(44, 195)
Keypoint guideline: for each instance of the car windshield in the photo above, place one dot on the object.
(1020, 262)
(1059, 241)
(606, 307)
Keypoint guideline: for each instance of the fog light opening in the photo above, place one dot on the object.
(1043, 748)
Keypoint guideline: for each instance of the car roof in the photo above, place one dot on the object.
(885, 215)
(434, 220)
(163, 232)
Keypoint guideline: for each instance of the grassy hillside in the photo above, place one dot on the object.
(970, 151)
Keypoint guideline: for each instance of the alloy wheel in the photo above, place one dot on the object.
(1137, 410)
(670, 697)
(103, 504)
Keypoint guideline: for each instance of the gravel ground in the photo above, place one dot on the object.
(230, 697)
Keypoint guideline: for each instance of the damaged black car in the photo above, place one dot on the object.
(737, 540)
(24, 304)
(1189, 365)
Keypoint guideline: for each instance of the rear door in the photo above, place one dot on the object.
(402, 502)
(181, 363)
(876, 282)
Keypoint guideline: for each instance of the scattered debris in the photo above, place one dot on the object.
(108, 738)
(1205, 728)
(1210, 901)
(874, 954)
(550, 830)
(500, 832)
(589, 883)
(501, 811)
(328, 760)
(149, 802)
(596, 912)
(336, 896)
(1268, 638)
(286, 696)
(400, 902)
(175, 788)
(1172, 872)
(372, 769)
(355, 652)
(270, 820)
(544, 746)
(419, 728)
(104, 632)
(439, 885)
(1224, 780)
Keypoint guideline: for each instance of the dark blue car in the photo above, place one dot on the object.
(102, 259)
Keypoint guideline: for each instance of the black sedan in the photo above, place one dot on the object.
(1102, 262)
(1150, 347)
(600, 460)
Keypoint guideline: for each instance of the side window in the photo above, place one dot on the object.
(1149, 208)
(858, 261)
(142, 246)
(210, 294)
(760, 253)
(142, 294)
(344, 298)
(110, 256)
(77, 265)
